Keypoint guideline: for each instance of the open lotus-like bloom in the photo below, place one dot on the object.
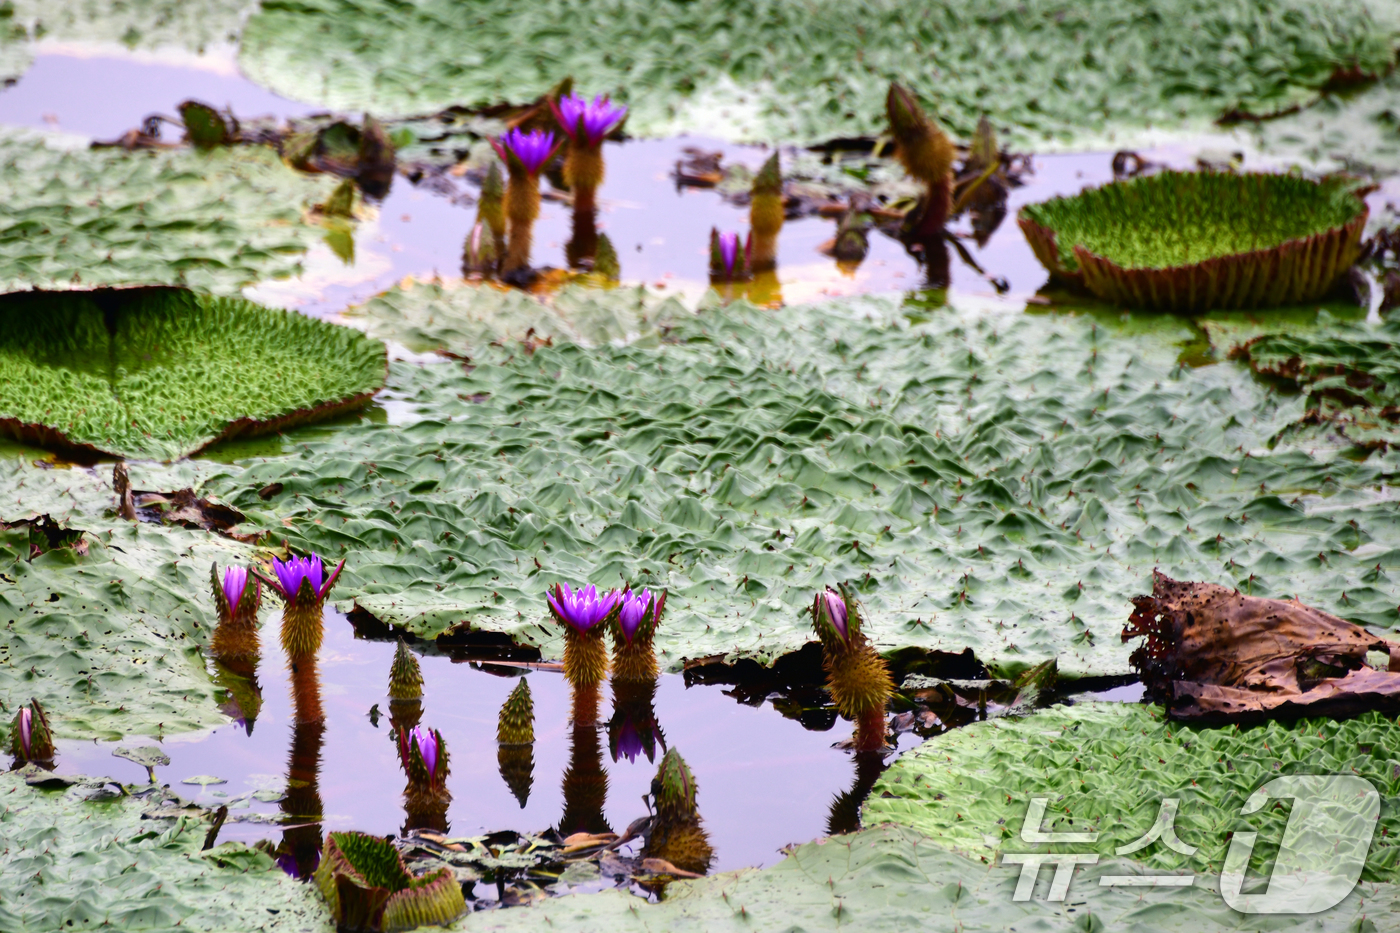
(587, 123)
(830, 607)
(295, 572)
(530, 151)
(583, 608)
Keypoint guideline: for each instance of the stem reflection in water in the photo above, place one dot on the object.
(585, 780)
(300, 851)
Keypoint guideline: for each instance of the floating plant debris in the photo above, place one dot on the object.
(1193, 241)
(1214, 654)
(164, 372)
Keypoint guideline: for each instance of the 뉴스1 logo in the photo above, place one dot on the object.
(1319, 861)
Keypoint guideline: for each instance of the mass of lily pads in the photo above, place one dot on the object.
(950, 512)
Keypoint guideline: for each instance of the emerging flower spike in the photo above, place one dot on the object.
(927, 154)
(766, 215)
(528, 152)
(857, 676)
(728, 262)
(580, 612)
(587, 123)
(676, 834)
(30, 738)
(634, 658)
(302, 585)
(237, 603)
(405, 677)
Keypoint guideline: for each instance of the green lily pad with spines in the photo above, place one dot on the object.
(1108, 766)
(70, 864)
(85, 218)
(1191, 241)
(164, 372)
(803, 72)
(986, 479)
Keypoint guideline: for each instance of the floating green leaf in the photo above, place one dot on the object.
(1192, 241)
(164, 372)
(803, 72)
(110, 642)
(1108, 767)
(84, 218)
(895, 879)
(985, 479)
(70, 864)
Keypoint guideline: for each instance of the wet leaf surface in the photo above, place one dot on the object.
(75, 864)
(804, 73)
(987, 478)
(80, 218)
(1106, 768)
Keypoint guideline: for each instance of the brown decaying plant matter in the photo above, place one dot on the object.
(1212, 653)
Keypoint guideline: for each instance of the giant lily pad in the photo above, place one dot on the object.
(985, 478)
(77, 219)
(146, 25)
(70, 864)
(1107, 768)
(803, 72)
(110, 642)
(895, 879)
(1191, 241)
(163, 372)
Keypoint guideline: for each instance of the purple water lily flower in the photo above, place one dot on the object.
(836, 611)
(427, 742)
(633, 611)
(531, 150)
(294, 570)
(583, 608)
(26, 729)
(235, 582)
(587, 123)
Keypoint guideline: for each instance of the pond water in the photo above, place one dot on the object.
(660, 229)
(743, 756)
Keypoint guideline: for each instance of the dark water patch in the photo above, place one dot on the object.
(763, 782)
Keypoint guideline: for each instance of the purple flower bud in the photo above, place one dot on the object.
(633, 611)
(532, 150)
(583, 608)
(729, 250)
(427, 743)
(26, 728)
(235, 581)
(588, 123)
(835, 606)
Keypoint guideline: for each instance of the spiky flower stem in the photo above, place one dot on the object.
(405, 677)
(634, 662)
(522, 207)
(490, 210)
(404, 715)
(585, 656)
(856, 675)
